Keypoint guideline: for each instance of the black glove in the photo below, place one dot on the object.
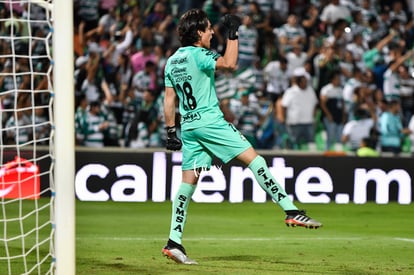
(173, 142)
(231, 23)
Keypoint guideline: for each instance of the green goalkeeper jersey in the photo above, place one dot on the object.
(190, 71)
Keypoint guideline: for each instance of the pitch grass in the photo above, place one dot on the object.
(247, 238)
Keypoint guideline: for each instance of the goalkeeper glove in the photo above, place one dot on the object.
(231, 23)
(173, 142)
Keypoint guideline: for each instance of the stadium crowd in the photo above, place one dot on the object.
(312, 75)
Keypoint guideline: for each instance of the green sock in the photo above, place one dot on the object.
(269, 183)
(179, 210)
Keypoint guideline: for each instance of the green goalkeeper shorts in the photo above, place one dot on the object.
(221, 139)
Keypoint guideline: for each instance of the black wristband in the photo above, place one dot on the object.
(171, 129)
(234, 36)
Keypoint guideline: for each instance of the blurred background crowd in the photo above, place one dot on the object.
(327, 75)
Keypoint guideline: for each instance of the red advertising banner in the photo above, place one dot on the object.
(19, 178)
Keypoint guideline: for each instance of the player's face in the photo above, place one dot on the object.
(206, 36)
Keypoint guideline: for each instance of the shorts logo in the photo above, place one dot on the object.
(203, 168)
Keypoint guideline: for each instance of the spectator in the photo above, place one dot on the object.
(299, 103)
(280, 133)
(80, 73)
(81, 113)
(248, 115)
(374, 55)
(141, 57)
(91, 86)
(145, 120)
(124, 71)
(159, 22)
(361, 126)
(94, 126)
(10, 80)
(375, 58)
(107, 24)
(347, 65)
(391, 128)
(392, 83)
(368, 11)
(41, 124)
(357, 25)
(297, 57)
(333, 12)
(121, 40)
(310, 22)
(364, 98)
(88, 12)
(350, 86)
(398, 28)
(329, 62)
(367, 148)
(276, 78)
(291, 33)
(373, 33)
(248, 43)
(19, 129)
(338, 38)
(397, 12)
(131, 103)
(406, 93)
(112, 132)
(145, 79)
(333, 110)
(411, 134)
(357, 48)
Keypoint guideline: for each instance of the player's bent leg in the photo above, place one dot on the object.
(294, 217)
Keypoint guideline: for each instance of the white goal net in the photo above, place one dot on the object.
(27, 146)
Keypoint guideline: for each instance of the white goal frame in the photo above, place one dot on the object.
(64, 139)
(61, 240)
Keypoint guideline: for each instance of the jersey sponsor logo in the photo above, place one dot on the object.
(214, 55)
(178, 70)
(189, 117)
(180, 74)
(183, 78)
(179, 61)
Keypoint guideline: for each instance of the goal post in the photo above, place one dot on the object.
(37, 140)
(64, 140)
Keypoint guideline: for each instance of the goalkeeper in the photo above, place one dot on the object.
(189, 77)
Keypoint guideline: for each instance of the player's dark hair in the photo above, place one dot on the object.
(190, 23)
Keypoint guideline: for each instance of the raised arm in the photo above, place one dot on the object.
(229, 60)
